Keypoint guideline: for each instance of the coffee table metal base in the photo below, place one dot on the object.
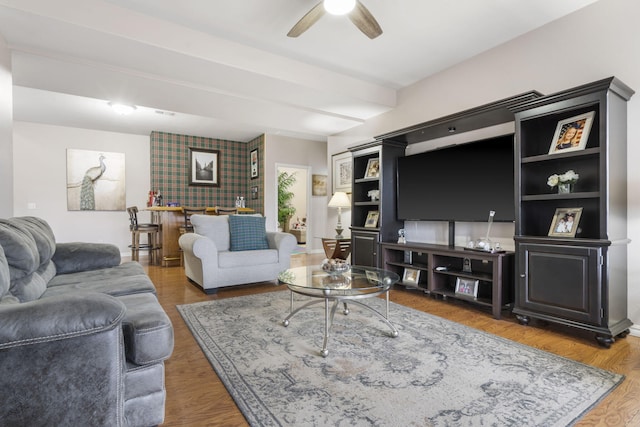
(329, 314)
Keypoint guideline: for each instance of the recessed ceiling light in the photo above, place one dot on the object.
(339, 7)
(122, 109)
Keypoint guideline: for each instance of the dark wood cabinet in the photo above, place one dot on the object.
(576, 277)
(374, 170)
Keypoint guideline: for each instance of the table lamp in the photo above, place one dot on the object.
(339, 200)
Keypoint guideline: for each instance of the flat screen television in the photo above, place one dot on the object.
(459, 183)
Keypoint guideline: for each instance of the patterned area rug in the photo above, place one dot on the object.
(435, 373)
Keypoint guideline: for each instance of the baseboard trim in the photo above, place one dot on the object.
(635, 330)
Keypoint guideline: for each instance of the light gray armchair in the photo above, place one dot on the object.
(234, 249)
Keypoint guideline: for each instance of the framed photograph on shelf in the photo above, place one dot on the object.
(373, 168)
(467, 287)
(565, 222)
(372, 219)
(572, 134)
(203, 167)
(411, 275)
(254, 164)
(342, 164)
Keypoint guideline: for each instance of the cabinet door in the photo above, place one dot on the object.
(560, 281)
(364, 248)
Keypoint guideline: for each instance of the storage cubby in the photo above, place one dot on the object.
(441, 266)
(572, 279)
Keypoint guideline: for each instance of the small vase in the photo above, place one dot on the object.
(564, 188)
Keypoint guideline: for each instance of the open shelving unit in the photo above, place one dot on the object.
(366, 237)
(441, 266)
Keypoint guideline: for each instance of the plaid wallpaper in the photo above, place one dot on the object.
(170, 170)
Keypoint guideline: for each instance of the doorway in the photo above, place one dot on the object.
(298, 224)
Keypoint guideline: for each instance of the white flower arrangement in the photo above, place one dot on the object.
(569, 177)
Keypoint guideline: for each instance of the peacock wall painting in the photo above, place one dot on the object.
(95, 181)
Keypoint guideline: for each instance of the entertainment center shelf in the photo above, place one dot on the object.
(436, 269)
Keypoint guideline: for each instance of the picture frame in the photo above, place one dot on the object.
(467, 287)
(565, 222)
(373, 277)
(254, 164)
(572, 134)
(373, 168)
(372, 219)
(106, 173)
(411, 275)
(342, 172)
(204, 167)
(318, 185)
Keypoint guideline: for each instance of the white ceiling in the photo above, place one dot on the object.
(225, 69)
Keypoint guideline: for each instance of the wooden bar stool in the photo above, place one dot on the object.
(226, 211)
(153, 237)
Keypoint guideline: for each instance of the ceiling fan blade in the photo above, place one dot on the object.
(307, 20)
(365, 21)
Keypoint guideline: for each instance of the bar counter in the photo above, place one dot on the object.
(170, 218)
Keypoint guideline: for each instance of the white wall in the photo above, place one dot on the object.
(292, 151)
(594, 43)
(40, 179)
(6, 136)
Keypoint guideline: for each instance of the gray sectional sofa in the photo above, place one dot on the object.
(83, 338)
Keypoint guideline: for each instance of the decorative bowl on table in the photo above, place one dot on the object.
(335, 267)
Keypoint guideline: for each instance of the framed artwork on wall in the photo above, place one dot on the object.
(95, 181)
(342, 172)
(204, 167)
(318, 185)
(572, 134)
(254, 166)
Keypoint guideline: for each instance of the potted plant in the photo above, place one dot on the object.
(285, 195)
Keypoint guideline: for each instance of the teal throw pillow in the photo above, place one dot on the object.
(248, 233)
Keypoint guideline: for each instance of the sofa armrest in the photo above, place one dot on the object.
(199, 246)
(78, 256)
(59, 317)
(62, 361)
(285, 243)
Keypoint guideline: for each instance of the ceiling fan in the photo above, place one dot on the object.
(359, 15)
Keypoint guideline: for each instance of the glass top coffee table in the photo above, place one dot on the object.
(358, 283)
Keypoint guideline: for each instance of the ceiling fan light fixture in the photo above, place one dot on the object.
(122, 109)
(339, 7)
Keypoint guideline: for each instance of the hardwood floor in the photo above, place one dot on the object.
(196, 397)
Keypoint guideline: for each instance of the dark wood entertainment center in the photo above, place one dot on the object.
(578, 281)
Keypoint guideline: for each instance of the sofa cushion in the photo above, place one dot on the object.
(126, 278)
(74, 257)
(248, 233)
(148, 334)
(42, 235)
(5, 281)
(214, 227)
(23, 258)
(247, 259)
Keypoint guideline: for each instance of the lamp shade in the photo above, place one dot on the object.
(340, 200)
